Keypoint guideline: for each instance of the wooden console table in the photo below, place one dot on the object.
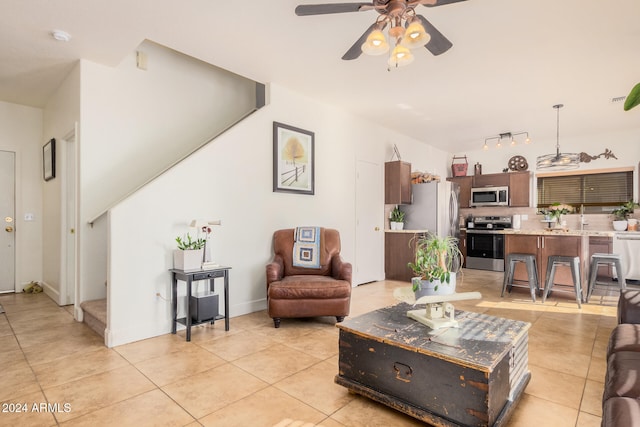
(193, 276)
(468, 376)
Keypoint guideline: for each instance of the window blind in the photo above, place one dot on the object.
(599, 189)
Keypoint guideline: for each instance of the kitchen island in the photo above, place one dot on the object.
(547, 242)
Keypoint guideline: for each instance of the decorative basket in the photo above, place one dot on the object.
(459, 169)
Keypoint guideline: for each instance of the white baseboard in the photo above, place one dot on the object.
(79, 313)
(51, 292)
(248, 307)
(116, 337)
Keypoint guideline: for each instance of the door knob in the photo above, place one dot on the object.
(377, 228)
(8, 229)
(72, 231)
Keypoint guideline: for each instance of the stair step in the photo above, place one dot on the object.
(95, 315)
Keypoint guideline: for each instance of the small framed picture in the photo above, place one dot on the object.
(49, 160)
(293, 159)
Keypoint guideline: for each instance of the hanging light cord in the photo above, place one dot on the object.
(558, 107)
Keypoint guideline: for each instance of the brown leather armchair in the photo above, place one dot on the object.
(308, 292)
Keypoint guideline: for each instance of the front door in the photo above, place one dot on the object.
(8, 221)
(369, 263)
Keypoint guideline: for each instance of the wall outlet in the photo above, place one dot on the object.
(524, 217)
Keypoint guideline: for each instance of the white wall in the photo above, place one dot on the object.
(135, 124)
(231, 179)
(61, 114)
(143, 121)
(21, 132)
(625, 145)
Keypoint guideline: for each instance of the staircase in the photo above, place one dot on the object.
(95, 315)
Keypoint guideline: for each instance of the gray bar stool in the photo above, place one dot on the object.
(532, 272)
(573, 262)
(596, 260)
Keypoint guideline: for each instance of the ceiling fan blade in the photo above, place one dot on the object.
(434, 3)
(323, 9)
(439, 43)
(355, 50)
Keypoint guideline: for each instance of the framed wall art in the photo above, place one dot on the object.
(293, 159)
(49, 160)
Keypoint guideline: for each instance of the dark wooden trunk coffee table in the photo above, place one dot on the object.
(468, 376)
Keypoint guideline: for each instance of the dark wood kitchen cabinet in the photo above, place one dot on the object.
(465, 183)
(491, 180)
(399, 250)
(544, 246)
(397, 183)
(519, 184)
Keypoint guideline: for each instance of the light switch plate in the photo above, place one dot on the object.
(29, 217)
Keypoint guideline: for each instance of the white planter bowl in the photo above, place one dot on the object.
(620, 225)
(428, 288)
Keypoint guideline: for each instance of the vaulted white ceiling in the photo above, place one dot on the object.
(511, 59)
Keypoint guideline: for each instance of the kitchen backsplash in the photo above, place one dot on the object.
(595, 222)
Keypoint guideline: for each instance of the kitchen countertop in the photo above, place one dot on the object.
(559, 232)
(406, 231)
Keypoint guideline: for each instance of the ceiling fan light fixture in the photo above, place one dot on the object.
(415, 36)
(376, 44)
(400, 56)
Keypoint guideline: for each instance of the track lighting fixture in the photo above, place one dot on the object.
(511, 137)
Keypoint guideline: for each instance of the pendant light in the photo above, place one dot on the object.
(558, 161)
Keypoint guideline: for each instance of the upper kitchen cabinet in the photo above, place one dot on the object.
(519, 184)
(491, 180)
(397, 183)
(465, 183)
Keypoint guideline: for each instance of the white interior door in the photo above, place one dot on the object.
(369, 264)
(8, 221)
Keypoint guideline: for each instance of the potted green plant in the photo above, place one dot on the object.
(188, 255)
(621, 215)
(397, 219)
(437, 260)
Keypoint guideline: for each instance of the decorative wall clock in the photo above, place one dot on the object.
(518, 163)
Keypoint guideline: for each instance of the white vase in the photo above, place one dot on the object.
(187, 260)
(558, 223)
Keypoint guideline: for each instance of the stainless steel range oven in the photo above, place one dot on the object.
(485, 243)
(485, 250)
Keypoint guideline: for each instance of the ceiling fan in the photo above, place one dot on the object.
(397, 14)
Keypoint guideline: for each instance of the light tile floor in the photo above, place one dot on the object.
(256, 375)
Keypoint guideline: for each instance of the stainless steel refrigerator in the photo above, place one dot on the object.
(434, 207)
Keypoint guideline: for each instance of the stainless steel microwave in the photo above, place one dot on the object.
(490, 196)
